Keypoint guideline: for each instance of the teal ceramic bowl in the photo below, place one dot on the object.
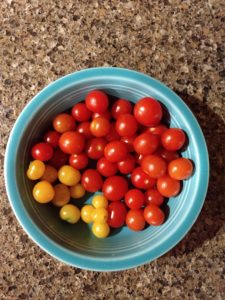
(74, 244)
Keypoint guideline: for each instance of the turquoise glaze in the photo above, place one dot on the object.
(74, 244)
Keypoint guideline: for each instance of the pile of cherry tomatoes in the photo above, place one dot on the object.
(120, 149)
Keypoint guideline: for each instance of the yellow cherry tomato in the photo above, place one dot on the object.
(36, 169)
(77, 191)
(62, 195)
(99, 201)
(86, 213)
(68, 175)
(100, 215)
(50, 174)
(70, 213)
(43, 192)
(100, 230)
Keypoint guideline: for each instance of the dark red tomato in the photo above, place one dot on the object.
(141, 180)
(135, 219)
(134, 199)
(121, 107)
(126, 125)
(127, 165)
(97, 101)
(80, 112)
(95, 148)
(154, 215)
(42, 151)
(167, 155)
(78, 161)
(116, 214)
(106, 168)
(129, 142)
(139, 158)
(114, 188)
(112, 135)
(107, 115)
(173, 139)
(154, 165)
(100, 127)
(148, 111)
(64, 122)
(157, 130)
(59, 159)
(116, 151)
(52, 138)
(72, 142)
(146, 143)
(85, 129)
(167, 186)
(91, 180)
(153, 197)
(180, 168)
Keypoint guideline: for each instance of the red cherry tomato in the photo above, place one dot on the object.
(167, 155)
(148, 111)
(78, 161)
(117, 214)
(173, 139)
(107, 115)
(146, 143)
(91, 180)
(167, 186)
(153, 196)
(59, 159)
(116, 151)
(134, 199)
(106, 168)
(121, 107)
(135, 219)
(97, 101)
(129, 142)
(72, 142)
(127, 165)
(52, 138)
(80, 112)
(126, 125)
(157, 130)
(42, 151)
(114, 188)
(180, 168)
(154, 215)
(64, 122)
(141, 180)
(85, 129)
(95, 148)
(112, 135)
(100, 127)
(154, 165)
(139, 158)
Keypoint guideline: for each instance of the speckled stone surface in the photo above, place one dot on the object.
(179, 42)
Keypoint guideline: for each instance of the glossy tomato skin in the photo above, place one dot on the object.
(64, 122)
(80, 112)
(146, 143)
(42, 151)
(95, 147)
(157, 130)
(135, 219)
(114, 188)
(173, 139)
(153, 196)
(121, 107)
(78, 161)
(72, 142)
(148, 111)
(107, 115)
(180, 168)
(167, 155)
(116, 151)
(167, 186)
(139, 158)
(127, 165)
(106, 168)
(84, 128)
(154, 165)
(59, 159)
(91, 180)
(129, 142)
(153, 215)
(126, 125)
(134, 199)
(112, 134)
(117, 214)
(141, 180)
(97, 101)
(52, 138)
(100, 127)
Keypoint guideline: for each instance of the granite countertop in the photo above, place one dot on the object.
(178, 42)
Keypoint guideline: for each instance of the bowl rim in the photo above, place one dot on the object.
(43, 241)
